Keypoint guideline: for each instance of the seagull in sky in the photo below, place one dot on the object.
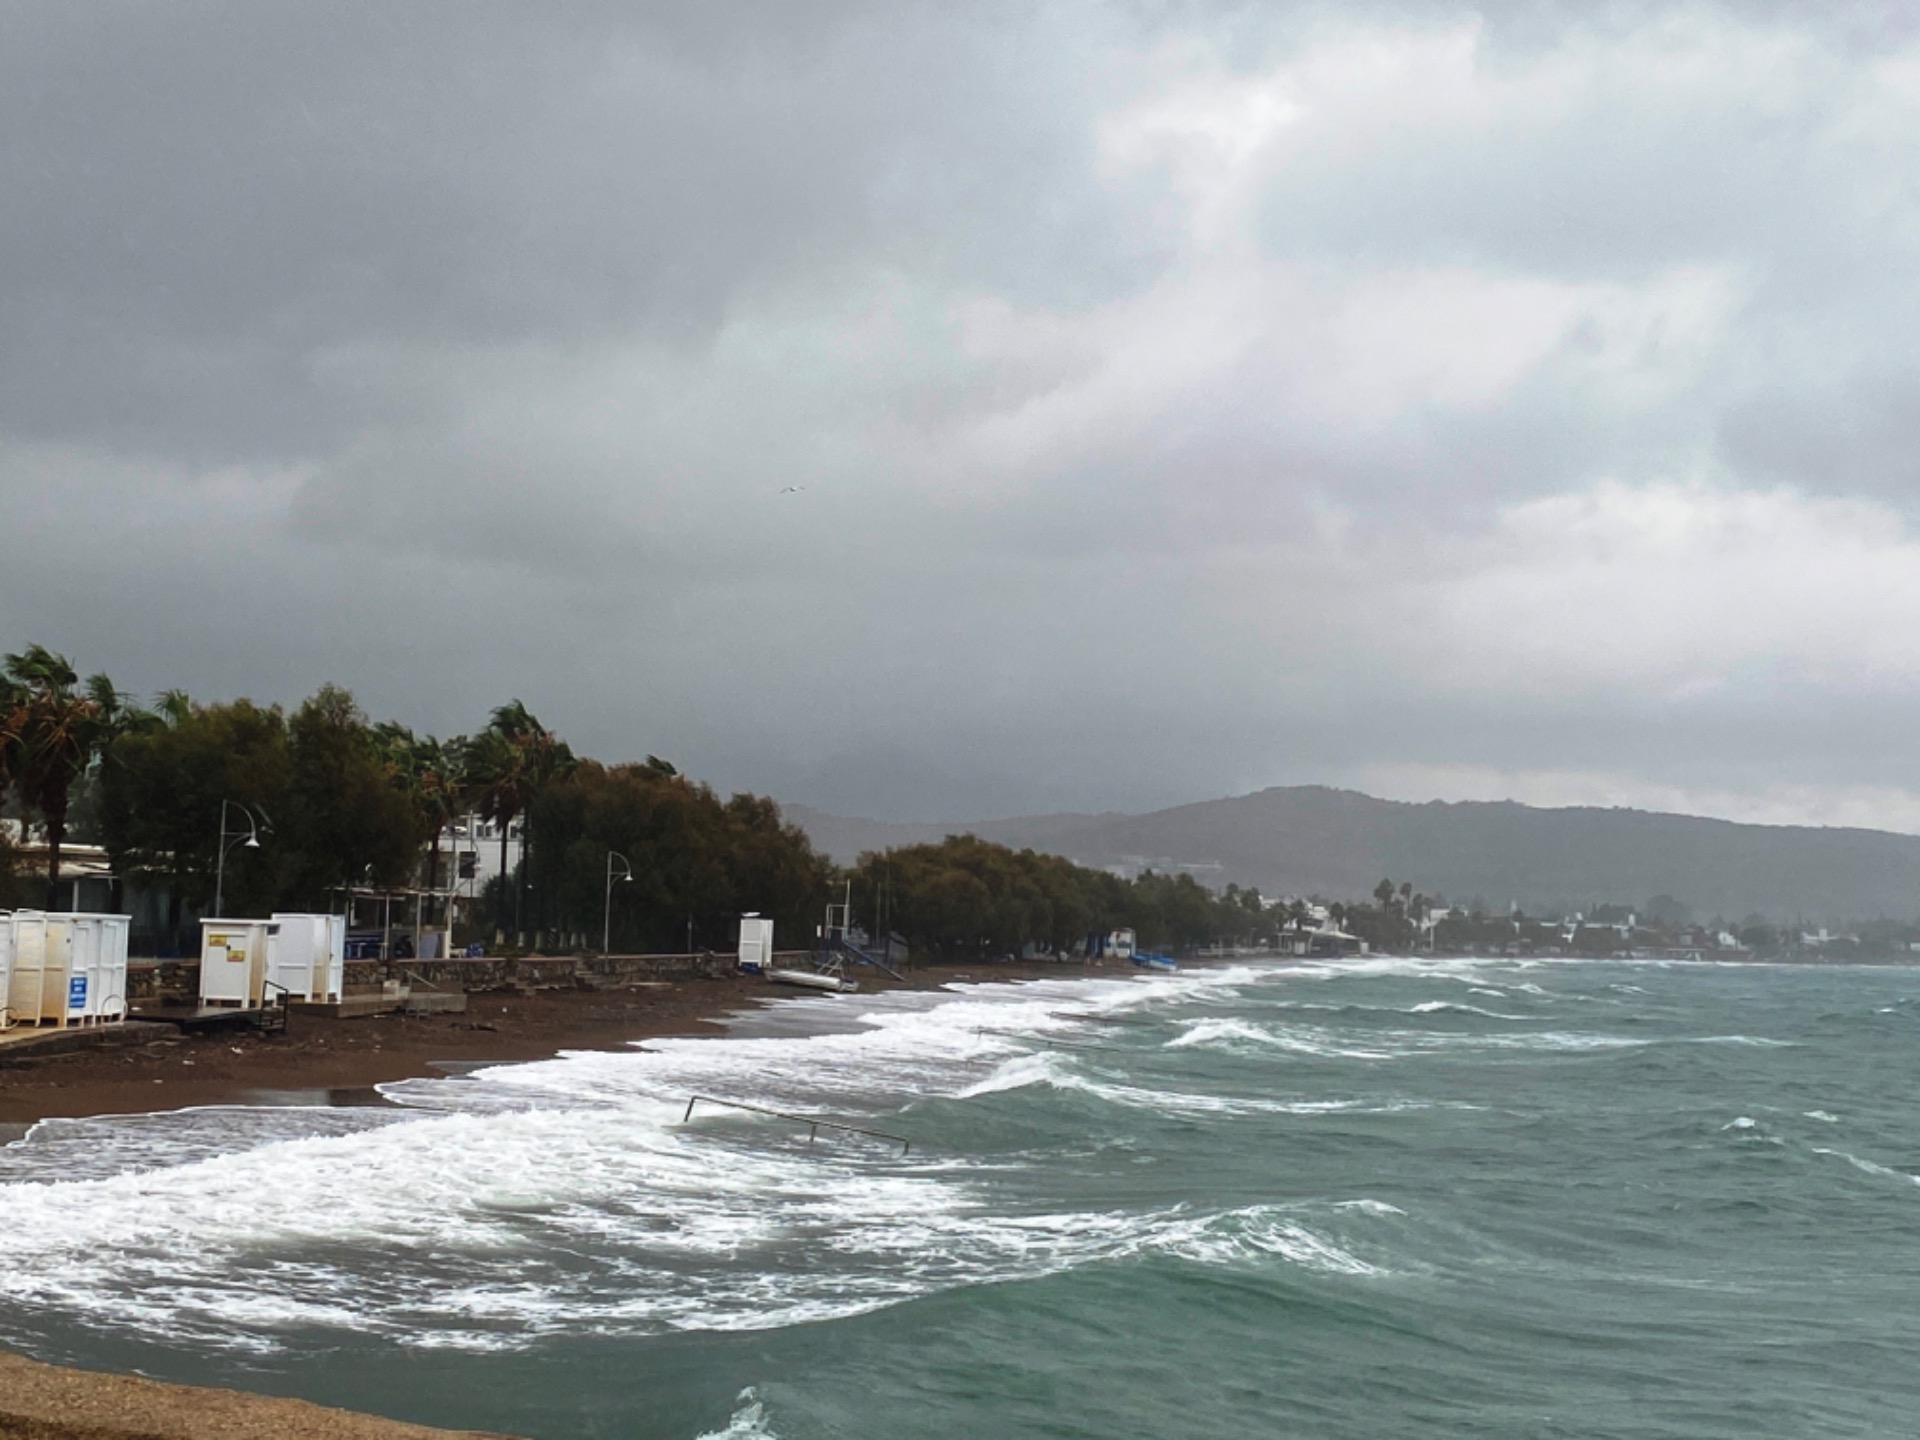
(792, 489)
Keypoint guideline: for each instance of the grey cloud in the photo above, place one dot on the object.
(207, 199)
(459, 352)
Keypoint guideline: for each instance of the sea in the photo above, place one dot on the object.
(1379, 1198)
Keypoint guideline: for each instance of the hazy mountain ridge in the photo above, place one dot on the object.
(1339, 843)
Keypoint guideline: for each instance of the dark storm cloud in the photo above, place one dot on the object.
(206, 201)
(1182, 397)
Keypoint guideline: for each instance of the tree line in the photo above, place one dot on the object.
(336, 800)
(965, 898)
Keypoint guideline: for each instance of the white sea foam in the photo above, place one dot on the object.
(1822, 1116)
(1323, 1043)
(1868, 1167)
(566, 1196)
(1758, 1042)
(1254, 1233)
(1435, 1007)
(1567, 1040)
(1176, 1102)
(1301, 1040)
(749, 1421)
(1371, 1207)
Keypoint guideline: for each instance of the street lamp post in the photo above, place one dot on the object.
(606, 924)
(252, 838)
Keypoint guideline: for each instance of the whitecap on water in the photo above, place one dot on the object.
(1255, 1233)
(1300, 1039)
(749, 1421)
(566, 1196)
(1436, 1007)
(1868, 1167)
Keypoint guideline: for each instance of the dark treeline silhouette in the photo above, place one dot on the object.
(336, 801)
(698, 862)
(966, 898)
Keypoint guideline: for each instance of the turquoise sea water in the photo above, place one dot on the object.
(1382, 1199)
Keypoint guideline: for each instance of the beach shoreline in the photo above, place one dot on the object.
(57, 1402)
(322, 1060)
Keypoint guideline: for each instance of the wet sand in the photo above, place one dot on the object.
(50, 1402)
(320, 1060)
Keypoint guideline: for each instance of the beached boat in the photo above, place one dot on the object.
(1150, 960)
(814, 980)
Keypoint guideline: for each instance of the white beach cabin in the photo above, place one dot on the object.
(6, 966)
(96, 978)
(756, 944)
(37, 976)
(235, 957)
(309, 956)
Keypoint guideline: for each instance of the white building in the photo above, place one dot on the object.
(470, 854)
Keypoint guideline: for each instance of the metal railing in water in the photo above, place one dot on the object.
(1028, 1038)
(1094, 1018)
(813, 1123)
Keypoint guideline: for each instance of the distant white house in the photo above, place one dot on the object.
(470, 854)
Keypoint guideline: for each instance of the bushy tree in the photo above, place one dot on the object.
(694, 858)
(161, 785)
(341, 820)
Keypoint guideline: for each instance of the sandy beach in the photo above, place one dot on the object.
(52, 1402)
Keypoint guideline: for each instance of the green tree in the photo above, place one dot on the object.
(162, 782)
(507, 765)
(431, 776)
(694, 858)
(54, 730)
(342, 820)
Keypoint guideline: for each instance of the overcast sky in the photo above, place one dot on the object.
(934, 411)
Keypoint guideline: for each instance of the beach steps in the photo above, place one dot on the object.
(199, 1019)
(30, 1043)
(353, 1006)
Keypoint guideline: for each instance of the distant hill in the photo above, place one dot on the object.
(1311, 840)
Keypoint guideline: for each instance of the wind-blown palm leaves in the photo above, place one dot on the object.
(432, 775)
(51, 732)
(506, 766)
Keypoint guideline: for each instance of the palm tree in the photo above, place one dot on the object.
(55, 731)
(1297, 915)
(430, 774)
(13, 720)
(506, 766)
(172, 709)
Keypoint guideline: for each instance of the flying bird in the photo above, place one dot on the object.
(792, 489)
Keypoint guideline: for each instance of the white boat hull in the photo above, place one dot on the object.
(813, 980)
